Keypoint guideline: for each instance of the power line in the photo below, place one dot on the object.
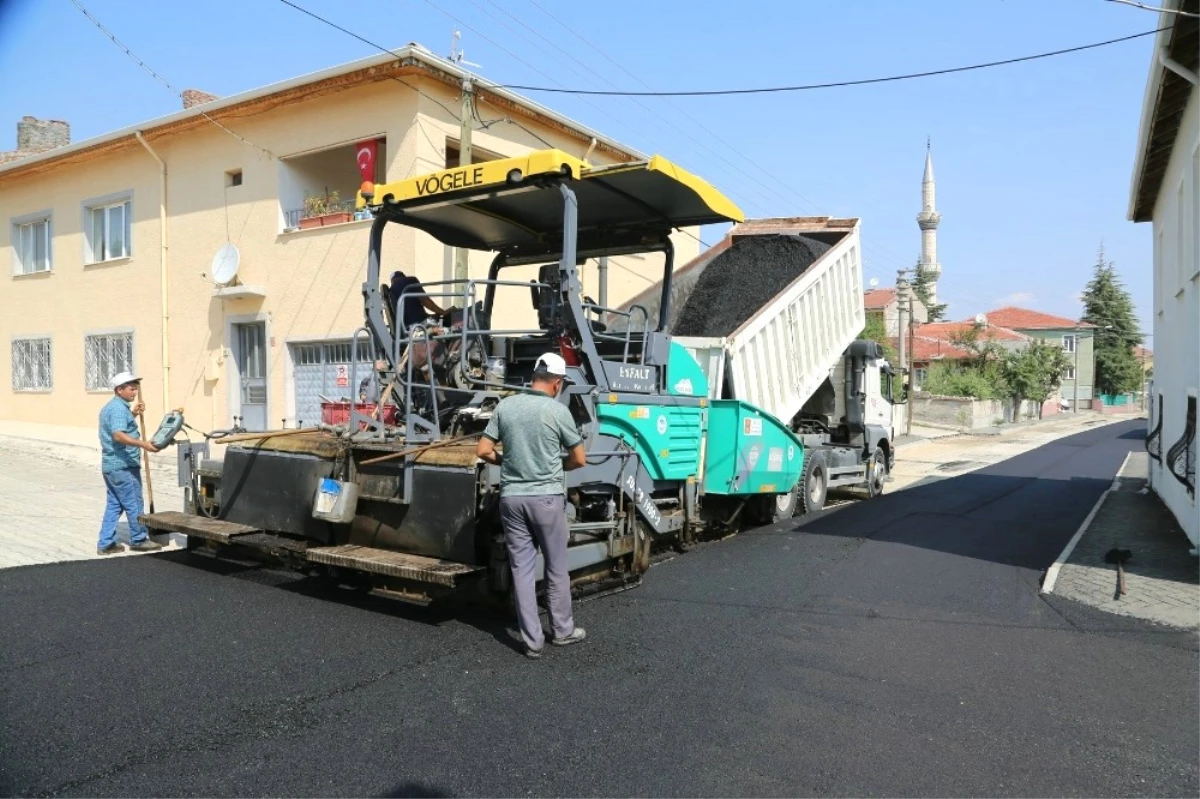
(836, 84)
(883, 253)
(100, 26)
(484, 83)
(1159, 9)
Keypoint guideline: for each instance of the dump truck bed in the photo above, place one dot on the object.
(779, 355)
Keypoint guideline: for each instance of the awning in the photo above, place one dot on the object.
(514, 205)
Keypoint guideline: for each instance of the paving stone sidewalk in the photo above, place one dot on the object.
(52, 501)
(1162, 578)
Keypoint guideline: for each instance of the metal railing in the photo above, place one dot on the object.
(291, 218)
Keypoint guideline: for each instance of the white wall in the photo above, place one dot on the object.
(1176, 341)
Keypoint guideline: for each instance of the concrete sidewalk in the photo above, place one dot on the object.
(924, 461)
(1162, 578)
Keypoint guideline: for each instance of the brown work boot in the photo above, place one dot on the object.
(112, 549)
(146, 545)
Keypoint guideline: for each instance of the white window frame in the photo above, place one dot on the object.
(1160, 275)
(1194, 204)
(105, 205)
(29, 387)
(30, 221)
(1070, 342)
(94, 378)
(1069, 374)
(1182, 219)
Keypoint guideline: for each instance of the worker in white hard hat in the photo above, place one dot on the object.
(121, 465)
(535, 429)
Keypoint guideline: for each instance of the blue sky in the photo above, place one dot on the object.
(1033, 161)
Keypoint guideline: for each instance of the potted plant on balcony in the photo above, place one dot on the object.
(314, 208)
(334, 213)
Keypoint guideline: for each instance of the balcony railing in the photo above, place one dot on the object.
(333, 215)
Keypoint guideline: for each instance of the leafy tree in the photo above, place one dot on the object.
(1034, 372)
(1108, 306)
(986, 358)
(876, 330)
(921, 284)
(948, 379)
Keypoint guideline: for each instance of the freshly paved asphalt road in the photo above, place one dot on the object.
(896, 647)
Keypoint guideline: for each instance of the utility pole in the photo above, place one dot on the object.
(912, 373)
(1075, 371)
(466, 123)
(903, 314)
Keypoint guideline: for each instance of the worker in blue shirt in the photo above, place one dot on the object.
(415, 305)
(121, 465)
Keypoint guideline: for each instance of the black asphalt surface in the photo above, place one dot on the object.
(891, 647)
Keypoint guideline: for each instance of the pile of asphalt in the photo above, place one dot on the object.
(742, 280)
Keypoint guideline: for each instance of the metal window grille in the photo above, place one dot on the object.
(1181, 457)
(32, 368)
(307, 354)
(1154, 440)
(104, 356)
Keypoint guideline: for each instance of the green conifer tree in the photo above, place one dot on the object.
(1108, 306)
(920, 284)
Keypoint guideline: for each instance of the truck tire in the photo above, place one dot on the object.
(876, 473)
(771, 508)
(814, 483)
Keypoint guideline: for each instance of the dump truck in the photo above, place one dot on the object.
(784, 297)
(399, 505)
(798, 358)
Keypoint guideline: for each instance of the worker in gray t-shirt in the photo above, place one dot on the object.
(534, 430)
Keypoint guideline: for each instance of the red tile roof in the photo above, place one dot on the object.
(934, 341)
(1024, 319)
(878, 299)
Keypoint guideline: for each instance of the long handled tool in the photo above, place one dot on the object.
(387, 392)
(257, 436)
(1120, 557)
(391, 456)
(145, 454)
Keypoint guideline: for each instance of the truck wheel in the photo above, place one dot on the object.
(814, 484)
(876, 473)
(771, 508)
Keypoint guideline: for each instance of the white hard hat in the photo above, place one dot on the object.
(121, 378)
(551, 363)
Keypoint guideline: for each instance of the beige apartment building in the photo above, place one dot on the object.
(111, 242)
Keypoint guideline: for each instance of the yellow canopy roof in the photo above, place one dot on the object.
(513, 205)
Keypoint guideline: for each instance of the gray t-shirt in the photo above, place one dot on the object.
(534, 429)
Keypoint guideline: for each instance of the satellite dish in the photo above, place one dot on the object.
(873, 282)
(225, 264)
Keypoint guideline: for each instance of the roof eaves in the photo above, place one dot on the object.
(412, 53)
(1168, 34)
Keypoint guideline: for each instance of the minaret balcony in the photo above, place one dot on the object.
(928, 220)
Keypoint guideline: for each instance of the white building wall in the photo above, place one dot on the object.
(1177, 314)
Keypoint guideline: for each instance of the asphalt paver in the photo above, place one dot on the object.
(896, 646)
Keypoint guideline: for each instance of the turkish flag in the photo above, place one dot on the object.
(366, 159)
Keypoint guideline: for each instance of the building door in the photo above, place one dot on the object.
(252, 374)
(322, 370)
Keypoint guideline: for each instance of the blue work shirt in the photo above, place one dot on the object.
(115, 417)
(411, 309)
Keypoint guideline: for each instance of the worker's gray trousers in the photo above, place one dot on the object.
(541, 520)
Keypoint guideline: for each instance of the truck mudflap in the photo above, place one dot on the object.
(385, 562)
